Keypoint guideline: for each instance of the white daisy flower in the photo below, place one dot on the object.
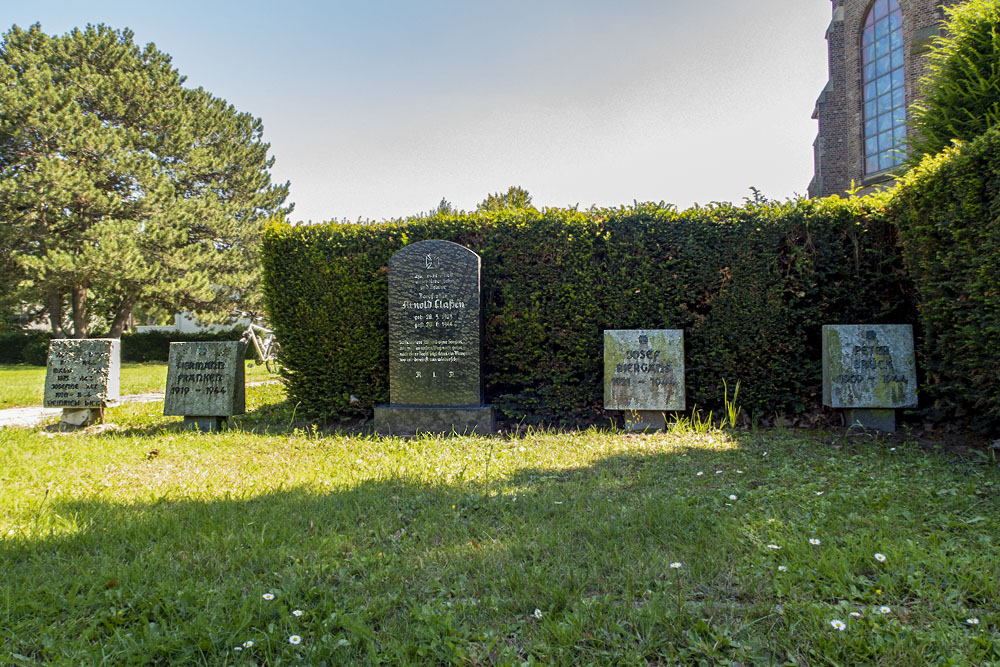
(732, 496)
(297, 612)
(538, 613)
(855, 614)
(675, 566)
(268, 596)
(814, 541)
(700, 473)
(880, 558)
(247, 644)
(295, 639)
(972, 621)
(884, 610)
(838, 624)
(773, 546)
(782, 568)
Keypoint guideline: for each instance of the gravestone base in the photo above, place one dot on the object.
(645, 420)
(204, 424)
(872, 418)
(82, 416)
(413, 420)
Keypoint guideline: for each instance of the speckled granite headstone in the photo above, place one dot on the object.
(435, 381)
(644, 374)
(83, 373)
(205, 379)
(869, 366)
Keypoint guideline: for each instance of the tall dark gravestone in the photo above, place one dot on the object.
(435, 343)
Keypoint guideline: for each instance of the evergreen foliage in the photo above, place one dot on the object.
(118, 184)
(515, 197)
(751, 287)
(32, 346)
(961, 92)
(947, 213)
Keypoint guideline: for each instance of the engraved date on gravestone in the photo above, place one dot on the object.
(644, 369)
(82, 373)
(869, 366)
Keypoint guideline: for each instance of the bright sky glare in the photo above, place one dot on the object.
(378, 109)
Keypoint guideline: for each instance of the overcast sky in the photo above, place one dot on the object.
(377, 109)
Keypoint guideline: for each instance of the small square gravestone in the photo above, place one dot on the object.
(644, 375)
(205, 383)
(870, 370)
(82, 377)
(435, 334)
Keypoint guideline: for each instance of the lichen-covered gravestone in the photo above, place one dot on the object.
(644, 375)
(205, 383)
(870, 370)
(435, 333)
(82, 377)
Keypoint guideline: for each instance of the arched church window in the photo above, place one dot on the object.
(883, 88)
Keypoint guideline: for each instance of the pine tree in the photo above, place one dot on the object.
(120, 185)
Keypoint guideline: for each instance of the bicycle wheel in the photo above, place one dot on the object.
(271, 354)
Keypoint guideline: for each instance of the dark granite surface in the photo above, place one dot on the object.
(413, 420)
(434, 326)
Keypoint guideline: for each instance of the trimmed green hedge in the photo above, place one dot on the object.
(749, 285)
(155, 345)
(948, 213)
(24, 347)
(32, 347)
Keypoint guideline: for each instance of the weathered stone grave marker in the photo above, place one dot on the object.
(870, 370)
(435, 333)
(205, 383)
(644, 375)
(82, 377)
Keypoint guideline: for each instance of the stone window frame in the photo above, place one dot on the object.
(881, 173)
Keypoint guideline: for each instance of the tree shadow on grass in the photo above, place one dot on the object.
(393, 569)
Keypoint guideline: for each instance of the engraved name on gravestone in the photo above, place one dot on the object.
(434, 325)
(205, 379)
(83, 373)
(869, 366)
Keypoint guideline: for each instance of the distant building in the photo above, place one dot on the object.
(187, 323)
(877, 54)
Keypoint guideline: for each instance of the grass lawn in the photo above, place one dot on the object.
(22, 385)
(140, 543)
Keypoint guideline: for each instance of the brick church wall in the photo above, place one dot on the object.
(838, 149)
